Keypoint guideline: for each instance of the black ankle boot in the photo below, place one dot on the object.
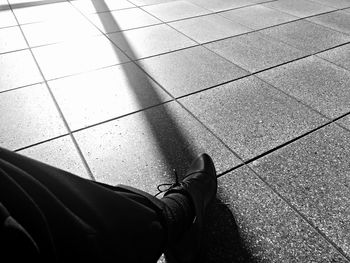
(200, 185)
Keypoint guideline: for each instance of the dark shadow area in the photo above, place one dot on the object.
(221, 239)
(174, 147)
(220, 236)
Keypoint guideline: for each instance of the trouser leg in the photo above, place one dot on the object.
(73, 218)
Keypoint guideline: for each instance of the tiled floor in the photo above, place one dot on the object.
(125, 91)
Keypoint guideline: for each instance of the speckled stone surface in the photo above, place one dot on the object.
(250, 223)
(258, 16)
(14, 74)
(339, 21)
(345, 121)
(150, 41)
(142, 149)
(313, 175)
(22, 125)
(339, 56)
(70, 58)
(123, 20)
(60, 153)
(91, 7)
(250, 116)
(101, 95)
(299, 8)
(316, 82)
(190, 70)
(175, 10)
(334, 3)
(209, 28)
(254, 51)
(11, 39)
(220, 5)
(307, 36)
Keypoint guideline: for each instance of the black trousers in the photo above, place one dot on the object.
(54, 216)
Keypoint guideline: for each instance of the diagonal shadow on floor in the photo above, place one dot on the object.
(220, 242)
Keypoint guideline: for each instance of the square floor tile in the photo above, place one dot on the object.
(316, 82)
(7, 18)
(334, 3)
(28, 116)
(56, 31)
(97, 6)
(46, 12)
(149, 2)
(258, 16)
(250, 116)
(339, 21)
(69, 58)
(60, 153)
(255, 51)
(190, 70)
(123, 20)
(299, 8)
(209, 28)
(220, 5)
(11, 39)
(339, 56)
(307, 36)
(18, 69)
(313, 175)
(105, 94)
(175, 10)
(249, 223)
(345, 121)
(142, 149)
(150, 41)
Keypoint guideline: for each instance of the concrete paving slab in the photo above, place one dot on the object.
(313, 175)
(40, 13)
(258, 16)
(221, 5)
(55, 31)
(316, 82)
(21, 124)
(120, 20)
(7, 18)
(250, 223)
(142, 149)
(60, 153)
(339, 56)
(149, 2)
(339, 21)
(14, 74)
(11, 39)
(255, 51)
(345, 121)
(307, 36)
(250, 116)
(97, 6)
(105, 94)
(150, 41)
(70, 58)
(175, 10)
(209, 28)
(334, 3)
(299, 8)
(190, 70)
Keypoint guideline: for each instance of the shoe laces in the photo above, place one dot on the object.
(162, 188)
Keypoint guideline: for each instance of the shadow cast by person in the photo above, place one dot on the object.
(221, 241)
(172, 143)
(221, 238)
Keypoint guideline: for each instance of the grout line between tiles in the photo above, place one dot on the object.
(57, 107)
